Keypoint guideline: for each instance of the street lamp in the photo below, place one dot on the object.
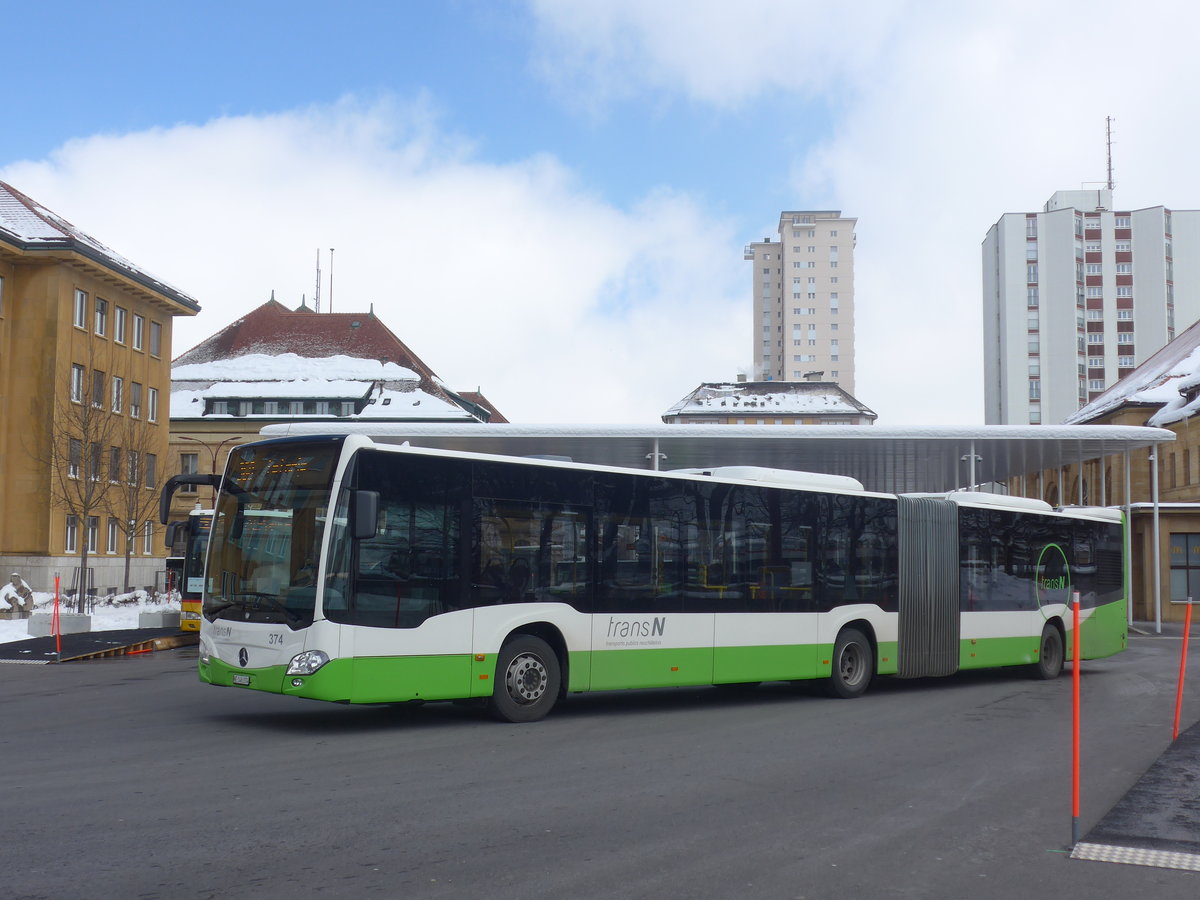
(213, 451)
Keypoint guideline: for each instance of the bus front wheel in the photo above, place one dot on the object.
(1050, 654)
(853, 665)
(526, 682)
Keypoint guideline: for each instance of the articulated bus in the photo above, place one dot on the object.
(189, 536)
(345, 570)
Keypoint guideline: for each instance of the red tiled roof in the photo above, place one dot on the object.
(274, 329)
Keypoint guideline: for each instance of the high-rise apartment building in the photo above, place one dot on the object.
(1076, 296)
(803, 288)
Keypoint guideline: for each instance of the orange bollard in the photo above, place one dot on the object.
(1187, 626)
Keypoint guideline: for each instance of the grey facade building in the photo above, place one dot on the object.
(1077, 296)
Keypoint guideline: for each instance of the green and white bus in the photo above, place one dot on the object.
(345, 570)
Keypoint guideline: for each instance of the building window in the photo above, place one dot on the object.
(1095, 315)
(1121, 222)
(118, 393)
(1031, 297)
(101, 317)
(93, 533)
(80, 309)
(155, 339)
(1096, 362)
(1125, 314)
(1124, 268)
(148, 537)
(76, 383)
(1095, 337)
(1031, 275)
(1124, 290)
(119, 325)
(97, 389)
(1095, 384)
(1124, 246)
(1095, 291)
(72, 540)
(74, 457)
(1125, 362)
(151, 469)
(1125, 337)
(1185, 567)
(1035, 389)
(113, 531)
(135, 399)
(189, 464)
(134, 468)
(139, 330)
(114, 464)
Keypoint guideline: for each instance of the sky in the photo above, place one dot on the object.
(549, 200)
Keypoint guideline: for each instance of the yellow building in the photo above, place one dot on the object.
(85, 341)
(1163, 392)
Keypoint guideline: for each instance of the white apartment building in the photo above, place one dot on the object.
(803, 287)
(1076, 296)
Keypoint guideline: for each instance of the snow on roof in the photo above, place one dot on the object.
(391, 391)
(290, 367)
(28, 223)
(274, 330)
(1170, 380)
(777, 397)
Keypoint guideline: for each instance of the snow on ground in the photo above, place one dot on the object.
(110, 613)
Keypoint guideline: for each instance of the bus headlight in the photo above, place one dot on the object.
(307, 662)
(205, 654)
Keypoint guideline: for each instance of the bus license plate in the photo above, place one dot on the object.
(241, 679)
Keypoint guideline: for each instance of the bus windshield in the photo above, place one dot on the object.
(270, 515)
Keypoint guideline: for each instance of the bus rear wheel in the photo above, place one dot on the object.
(526, 682)
(1050, 654)
(853, 665)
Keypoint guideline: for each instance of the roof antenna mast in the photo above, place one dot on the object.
(331, 279)
(317, 295)
(1108, 141)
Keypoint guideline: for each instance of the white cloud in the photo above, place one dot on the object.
(511, 278)
(945, 116)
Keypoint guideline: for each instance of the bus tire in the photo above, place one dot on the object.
(527, 680)
(1050, 655)
(853, 665)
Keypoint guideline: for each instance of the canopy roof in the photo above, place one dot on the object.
(892, 460)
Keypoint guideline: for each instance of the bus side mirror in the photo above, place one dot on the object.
(172, 530)
(364, 514)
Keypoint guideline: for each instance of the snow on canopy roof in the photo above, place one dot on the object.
(892, 460)
(32, 226)
(777, 397)
(1170, 380)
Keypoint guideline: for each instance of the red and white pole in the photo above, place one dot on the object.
(1075, 720)
(1187, 627)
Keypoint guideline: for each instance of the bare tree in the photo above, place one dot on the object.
(132, 498)
(73, 450)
